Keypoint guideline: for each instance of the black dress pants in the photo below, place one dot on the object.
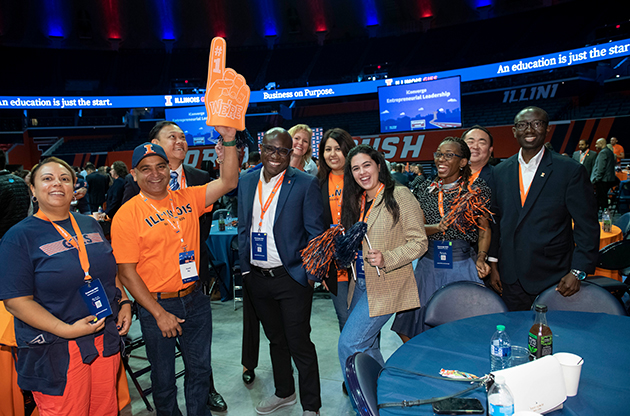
(284, 308)
(251, 328)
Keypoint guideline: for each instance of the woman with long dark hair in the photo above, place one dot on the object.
(439, 199)
(396, 237)
(333, 150)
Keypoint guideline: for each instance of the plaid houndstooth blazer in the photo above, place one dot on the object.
(395, 289)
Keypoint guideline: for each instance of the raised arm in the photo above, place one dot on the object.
(229, 169)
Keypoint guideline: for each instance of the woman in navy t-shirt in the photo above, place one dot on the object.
(67, 357)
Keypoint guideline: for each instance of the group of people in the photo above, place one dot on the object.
(534, 225)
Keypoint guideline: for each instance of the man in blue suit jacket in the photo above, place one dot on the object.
(279, 211)
(538, 195)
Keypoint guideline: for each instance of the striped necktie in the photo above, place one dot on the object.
(174, 183)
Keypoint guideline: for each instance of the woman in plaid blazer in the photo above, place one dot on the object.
(395, 230)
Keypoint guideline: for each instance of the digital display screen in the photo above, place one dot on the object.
(192, 120)
(426, 105)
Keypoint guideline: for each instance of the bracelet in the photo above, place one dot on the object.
(124, 302)
(229, 144)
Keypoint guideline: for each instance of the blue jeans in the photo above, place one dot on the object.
(340, 302)
(195, 344)
(361, 333)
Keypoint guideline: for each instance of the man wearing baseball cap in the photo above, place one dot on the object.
(155, 238)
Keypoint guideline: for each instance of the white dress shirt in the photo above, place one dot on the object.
(528, 170)
(273, 257)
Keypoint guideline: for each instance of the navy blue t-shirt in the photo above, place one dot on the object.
(38, 261)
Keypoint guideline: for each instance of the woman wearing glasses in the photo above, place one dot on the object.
(450, 257)
(302, 149)
(384, 274)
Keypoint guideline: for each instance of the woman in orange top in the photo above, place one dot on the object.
(333, 150)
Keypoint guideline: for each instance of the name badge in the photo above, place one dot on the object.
(95, 298)
(259, 246)
(360, 265)
(443, 254)
(188, 267)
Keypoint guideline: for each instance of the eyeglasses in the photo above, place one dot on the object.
(270, 150)
(535, 124)
(447, 156)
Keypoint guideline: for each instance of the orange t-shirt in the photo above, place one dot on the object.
(335, 190)
(617, 149)
(143, 236)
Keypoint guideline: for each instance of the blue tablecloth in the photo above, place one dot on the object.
(602, 340)
(220, 245)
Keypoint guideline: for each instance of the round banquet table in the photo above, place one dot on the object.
(220, 245)
(601, 339)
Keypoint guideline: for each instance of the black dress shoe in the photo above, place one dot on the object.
(249, 376)
(343, 388)
(216, 402)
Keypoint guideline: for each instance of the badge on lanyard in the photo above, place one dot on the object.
(360, 265)
(443, 254)
(259, 246)
(188, 267)
(95, 298)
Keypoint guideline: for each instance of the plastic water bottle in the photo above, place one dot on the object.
(500, 349)
(500, 400)
(100, 209)
(606, 222)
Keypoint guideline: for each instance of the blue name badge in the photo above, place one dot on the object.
(95, 298)
(360, 265)
(188, 267)
(259, 246)
(443, 254)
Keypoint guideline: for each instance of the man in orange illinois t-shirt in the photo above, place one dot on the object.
(155, 237)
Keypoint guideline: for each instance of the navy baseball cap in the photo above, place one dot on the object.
(147, 149)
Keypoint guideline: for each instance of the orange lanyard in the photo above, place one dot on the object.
(474, 176)
(363, 199)
(331, 185)
(176, 227)
(441, 195)
(78, 242)
(264, 208)
(584, 156)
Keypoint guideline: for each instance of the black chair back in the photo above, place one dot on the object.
(623, 223)
(615, 256)
(459, 300)
(590, 298)
(362, 374)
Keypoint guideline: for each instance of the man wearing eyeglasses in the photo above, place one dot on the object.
(538, 195)
(279, 211)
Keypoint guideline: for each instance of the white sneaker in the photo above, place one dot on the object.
(273, 403)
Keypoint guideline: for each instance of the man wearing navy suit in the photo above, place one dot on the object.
(538, 195)
(279, 211)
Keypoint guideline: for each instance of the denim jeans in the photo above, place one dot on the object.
(195, 344)
(340, 302)
(361, 333)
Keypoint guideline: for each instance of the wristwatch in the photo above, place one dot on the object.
(580, 275)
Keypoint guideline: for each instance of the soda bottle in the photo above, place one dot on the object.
(500, 349)
(500, 400)
(221, 223)
(540, 341)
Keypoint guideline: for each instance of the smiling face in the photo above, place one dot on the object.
(152, 175)
(301, 143)
(449, 170)
(273, 162)
(365, 172)
(173, 141)
(480, 149)
(531, 138)
(334, 156)
(53, 187)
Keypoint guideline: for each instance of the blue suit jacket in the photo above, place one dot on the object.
(298, 219)
(537, 244)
